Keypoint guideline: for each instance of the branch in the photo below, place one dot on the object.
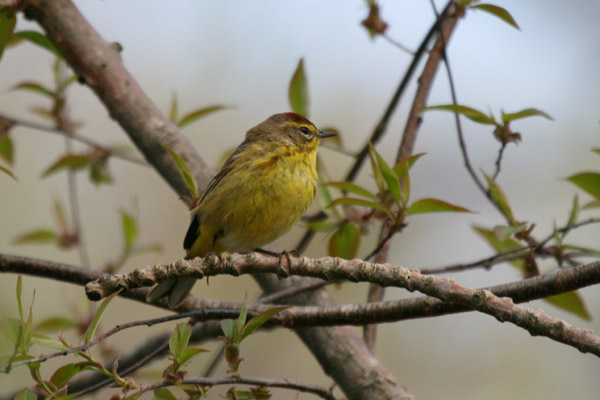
(240, 380)
(503, 309)
(72, 135)
(448, 20)
(541, 286)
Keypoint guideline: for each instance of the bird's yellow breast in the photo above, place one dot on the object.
(258, 200)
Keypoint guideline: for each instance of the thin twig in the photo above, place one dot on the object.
(382, 242)
(508, 255)
(566, 229)
(397, 44)
(461, 139)
(74, 211)
(487, 262)
(293, 290)
(75, 136)
(216, 360)
(499, 161)
(241, 380)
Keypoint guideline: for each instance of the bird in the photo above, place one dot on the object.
(260, 192)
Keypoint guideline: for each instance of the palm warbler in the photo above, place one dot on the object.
(261, 191)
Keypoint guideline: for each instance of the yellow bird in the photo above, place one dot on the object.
(261, 191)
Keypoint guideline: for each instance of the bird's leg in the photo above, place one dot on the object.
(288, 255)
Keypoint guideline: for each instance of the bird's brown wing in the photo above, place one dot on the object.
(193, 230)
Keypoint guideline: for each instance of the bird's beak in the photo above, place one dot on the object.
(323, 135)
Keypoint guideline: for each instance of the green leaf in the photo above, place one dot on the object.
(40, 236)
(19, 294)
(6, 149)
(504, 232)
(163, 394)
(34, 87)
(352, 188)
(500, 245)
(571, 302)
(345, 241)
(53, 324)
(471, 113)
(66, 83)
(500, 198)
(585, 250)
(63, 374)
(130, 229)
(351, 201)
(7, 172)
(498, 12)
(588, 181)
(528, 112)
(591, 204)
(228, 328)
(25, 394)
(47, 341)
(60, 216)
(389, 175)
(180, 339)
(433, 205)
(91, 330)
(323, 226)
(574, 214)
(173, 111)
(298, 91)
(39, 40)
(70, 161)
(197, 114)
(379, 181)
(188, 353)
(184, 171)
(11, 329)
(597, 151)
(26, 339)
(403, 166)
(241, 321)
(259, 320)
(8, 20)
(99, 172)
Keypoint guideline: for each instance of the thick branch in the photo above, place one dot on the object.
(503, 309)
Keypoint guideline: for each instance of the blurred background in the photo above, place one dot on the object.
(242, 55)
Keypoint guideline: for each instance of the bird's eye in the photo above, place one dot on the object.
(305, 130)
